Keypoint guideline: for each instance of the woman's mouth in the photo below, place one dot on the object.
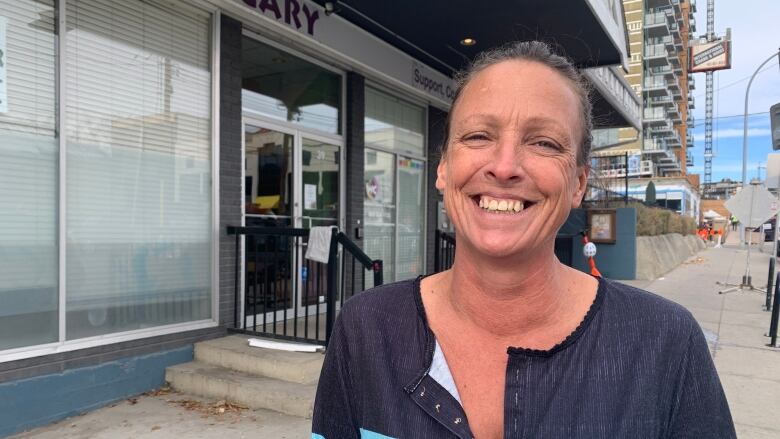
(501, 205)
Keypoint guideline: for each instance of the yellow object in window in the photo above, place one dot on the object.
(267, 201)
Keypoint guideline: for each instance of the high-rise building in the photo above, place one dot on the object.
(658, 33)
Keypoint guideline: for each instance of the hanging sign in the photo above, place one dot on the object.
(3, 67)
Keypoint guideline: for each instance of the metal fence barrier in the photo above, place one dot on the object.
(287, 296)
(444, 251)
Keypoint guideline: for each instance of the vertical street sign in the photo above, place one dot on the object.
(752, 205)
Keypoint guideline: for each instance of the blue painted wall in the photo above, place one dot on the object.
(615, 261)
(37, 401)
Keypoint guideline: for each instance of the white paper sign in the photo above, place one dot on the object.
(310, 196)
(3, 66)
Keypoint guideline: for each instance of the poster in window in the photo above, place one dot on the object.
(3, 67)
(310, 196)
(602, 226)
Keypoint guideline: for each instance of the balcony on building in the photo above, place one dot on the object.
(673, 140)
(688, 159)
(669, 164)
(674, 84)
(654, 145)
(693, 5)
(691, 122)
(656, 55)
(655, 86)
(654, 116)
(673, 112)
(660, 130)
(657, 24)
(690, 142)
(674, 60)
(657, 3)
(691, 103)
(674, 30)
(660, 101)
(666, 40)
(676, 5)
(692, 24)
(691, 83)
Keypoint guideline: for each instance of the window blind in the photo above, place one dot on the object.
(394, 124)
(28, 175)
(138, 165)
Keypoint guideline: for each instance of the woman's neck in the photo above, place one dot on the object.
(514, 300)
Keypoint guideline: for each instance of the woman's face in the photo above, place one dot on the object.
(510, 174)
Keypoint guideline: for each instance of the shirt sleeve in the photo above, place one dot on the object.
(700, 408)
(333, 416)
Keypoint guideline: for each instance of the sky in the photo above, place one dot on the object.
(755, 37)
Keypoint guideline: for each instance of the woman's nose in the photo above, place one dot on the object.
(506, 163)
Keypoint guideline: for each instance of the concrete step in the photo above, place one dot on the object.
(253, 391)
(233, 352)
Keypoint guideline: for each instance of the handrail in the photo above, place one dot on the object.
(356, 251)
(331, 284)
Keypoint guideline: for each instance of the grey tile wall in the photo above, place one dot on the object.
(230, 196)
(436, 122)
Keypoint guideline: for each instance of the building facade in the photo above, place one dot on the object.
(659, 32)
(133, 133)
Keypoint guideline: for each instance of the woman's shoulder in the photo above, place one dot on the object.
(645, 310)
(389, 303)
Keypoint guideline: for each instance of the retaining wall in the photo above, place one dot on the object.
(657, 255)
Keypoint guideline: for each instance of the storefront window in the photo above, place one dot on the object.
(28, 174)
(379, 209)
(394, 201)
(282, 86)
(138, 165)
(394, 124)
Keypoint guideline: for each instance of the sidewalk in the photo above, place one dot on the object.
(735, 325)
(172, 415)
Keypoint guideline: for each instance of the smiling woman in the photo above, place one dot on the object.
(509, 342)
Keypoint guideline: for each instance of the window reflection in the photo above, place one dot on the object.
(282, 86)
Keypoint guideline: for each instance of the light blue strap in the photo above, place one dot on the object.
(368, 434)
(364, 434)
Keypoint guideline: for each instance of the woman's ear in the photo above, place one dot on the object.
(441, 174)
(582, 186)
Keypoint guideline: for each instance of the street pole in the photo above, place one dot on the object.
(746, 278)
(774, 249)
(745, 129)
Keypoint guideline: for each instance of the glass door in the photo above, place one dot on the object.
(269, 269)
(291, 180)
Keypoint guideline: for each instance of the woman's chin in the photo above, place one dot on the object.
(499, 245)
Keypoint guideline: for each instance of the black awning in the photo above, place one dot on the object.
(431, 30)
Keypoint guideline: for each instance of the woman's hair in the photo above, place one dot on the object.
(535, 51)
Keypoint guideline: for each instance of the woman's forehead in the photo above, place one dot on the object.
(515, 90)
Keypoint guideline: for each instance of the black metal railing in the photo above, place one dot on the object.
(288, 296)
(444, 251)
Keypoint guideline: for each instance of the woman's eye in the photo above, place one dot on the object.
(475, 137)
(547, 144)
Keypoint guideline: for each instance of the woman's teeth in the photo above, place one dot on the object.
(497, 205)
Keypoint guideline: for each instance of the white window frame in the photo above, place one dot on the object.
(63, 345)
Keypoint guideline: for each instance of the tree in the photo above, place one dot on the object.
(650, 194)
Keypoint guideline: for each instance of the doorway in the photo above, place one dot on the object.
(292, 179)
